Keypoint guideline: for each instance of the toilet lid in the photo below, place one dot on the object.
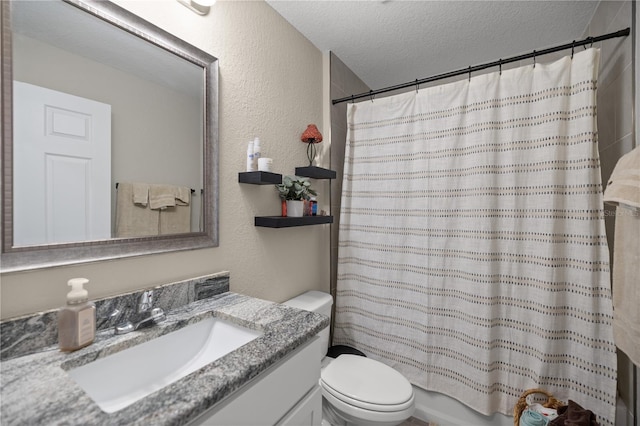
(366, 380)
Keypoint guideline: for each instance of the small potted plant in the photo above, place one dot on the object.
(294, 190)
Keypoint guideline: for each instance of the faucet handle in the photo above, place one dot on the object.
(124, 328)
(145, 302)
(157, 315)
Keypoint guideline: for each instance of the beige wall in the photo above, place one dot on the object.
(271, 87)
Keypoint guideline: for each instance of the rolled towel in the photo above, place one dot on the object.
(549, 413)
(531, 418)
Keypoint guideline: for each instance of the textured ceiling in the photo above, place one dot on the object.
(391, 42)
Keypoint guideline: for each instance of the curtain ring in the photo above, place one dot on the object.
(352, 100)
(371, 96)
(500, 66)
(573, 46)
(417, 85)
(469, 72)
(534, 58)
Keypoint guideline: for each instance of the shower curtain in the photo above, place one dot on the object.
(472, 249)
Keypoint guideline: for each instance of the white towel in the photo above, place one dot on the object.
(624, 184)
(623, 190)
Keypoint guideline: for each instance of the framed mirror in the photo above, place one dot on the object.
(109, 136)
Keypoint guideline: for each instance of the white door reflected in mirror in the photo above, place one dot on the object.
(62, 159)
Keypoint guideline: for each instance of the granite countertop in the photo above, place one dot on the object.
(36, 390)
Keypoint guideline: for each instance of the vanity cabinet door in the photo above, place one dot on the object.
(270, 397)
(308, 412)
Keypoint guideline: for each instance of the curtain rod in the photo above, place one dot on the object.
(470, 69)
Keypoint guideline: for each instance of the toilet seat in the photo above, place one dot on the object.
(360, 416)
(366, 384)
(342, 400)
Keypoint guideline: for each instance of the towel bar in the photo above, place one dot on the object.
(192, 190)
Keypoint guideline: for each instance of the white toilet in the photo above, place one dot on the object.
(356, 390)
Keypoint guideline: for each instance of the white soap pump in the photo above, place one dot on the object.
(76, 320)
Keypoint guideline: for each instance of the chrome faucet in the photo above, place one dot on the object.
(144, 305)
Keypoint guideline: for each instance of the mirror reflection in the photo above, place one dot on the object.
(109, 147)
(108, 131)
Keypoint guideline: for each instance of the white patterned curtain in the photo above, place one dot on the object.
(472, 255)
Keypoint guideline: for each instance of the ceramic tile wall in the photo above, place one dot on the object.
(615, 123)
(636, 65)
(615, 90)
(343, 83)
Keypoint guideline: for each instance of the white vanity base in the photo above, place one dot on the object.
(286, 394)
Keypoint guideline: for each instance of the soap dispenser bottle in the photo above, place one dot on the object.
(76, 320)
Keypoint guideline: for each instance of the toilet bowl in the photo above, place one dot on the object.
(356, 391)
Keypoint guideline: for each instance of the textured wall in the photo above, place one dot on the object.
(271, 87)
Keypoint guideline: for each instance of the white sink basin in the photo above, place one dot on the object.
(119, 380)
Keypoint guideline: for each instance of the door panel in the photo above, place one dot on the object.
(62, 167)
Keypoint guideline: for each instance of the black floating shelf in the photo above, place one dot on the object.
(260, 178)
(315, 172)
(286, 222)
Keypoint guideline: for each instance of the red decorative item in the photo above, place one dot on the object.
(311, 136)
(284, 208)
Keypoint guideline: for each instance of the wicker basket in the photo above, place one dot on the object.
(522, 403)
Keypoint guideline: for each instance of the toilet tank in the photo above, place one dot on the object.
(318, 302)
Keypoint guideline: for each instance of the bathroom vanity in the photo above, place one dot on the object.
(274, 396)
(273, 379)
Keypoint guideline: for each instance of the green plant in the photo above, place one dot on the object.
(295, 188)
